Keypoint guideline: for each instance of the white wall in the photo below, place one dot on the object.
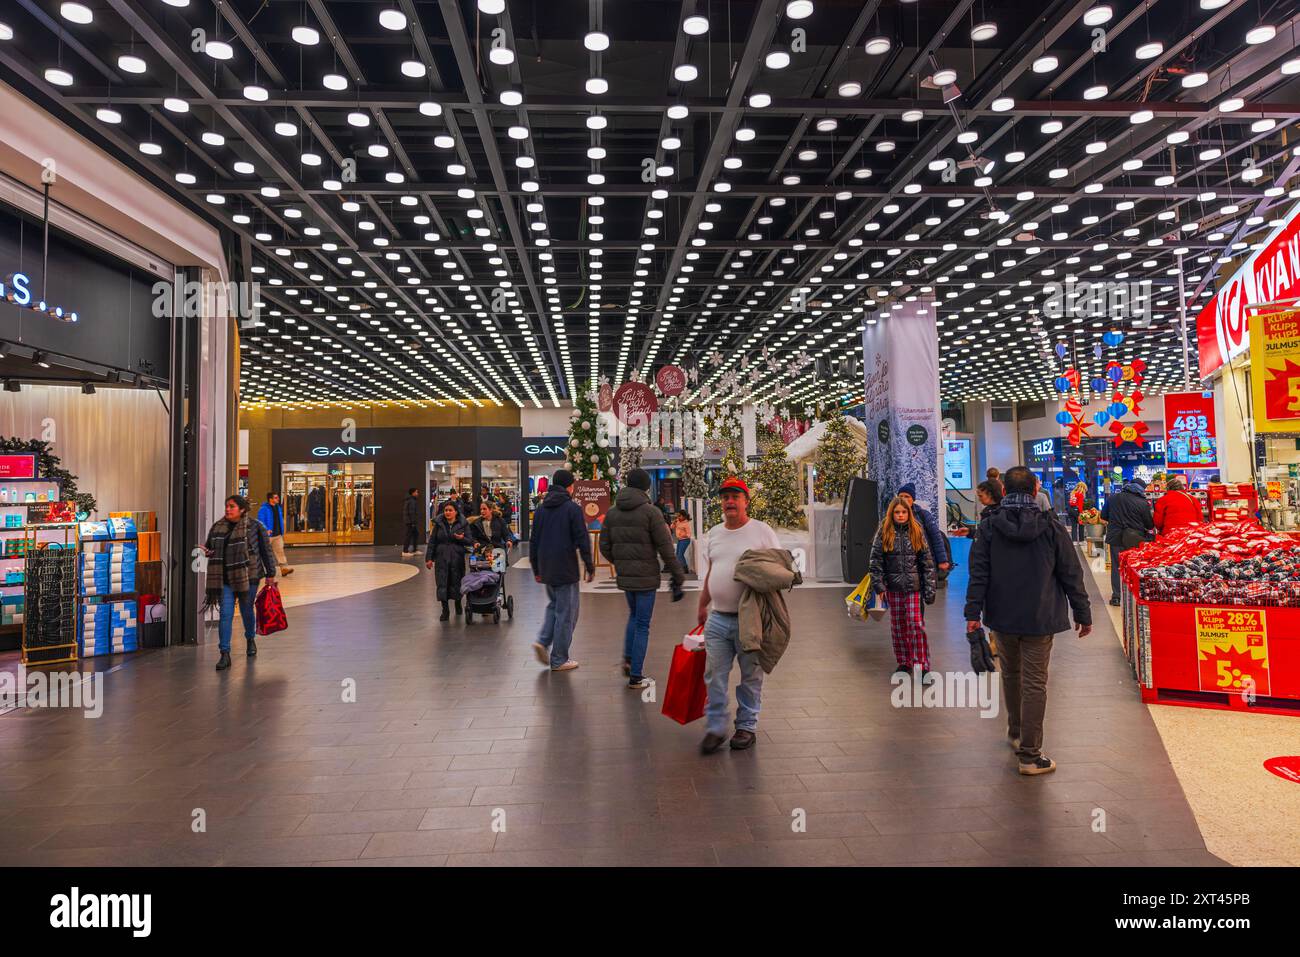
(115, 441)
(545, 421)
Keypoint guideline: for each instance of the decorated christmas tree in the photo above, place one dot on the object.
(837, 459)
(629, 458)
(693, 483)
(48, 467)
(589, 454)
(775, 486)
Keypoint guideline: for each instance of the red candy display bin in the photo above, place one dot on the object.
(1212, 618)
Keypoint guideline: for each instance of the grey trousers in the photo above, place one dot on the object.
(1023, 659)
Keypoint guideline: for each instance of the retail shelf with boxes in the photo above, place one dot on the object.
(24, 505)
(119, 576)
(1212, 618)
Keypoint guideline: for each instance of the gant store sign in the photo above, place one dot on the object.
(1271, 273)
(346, 451)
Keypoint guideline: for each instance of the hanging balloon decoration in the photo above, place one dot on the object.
(1070, 386)
(1122, 381)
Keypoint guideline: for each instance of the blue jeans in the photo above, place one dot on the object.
(228, 597)
(640, 606)
(559, 621)
(722, 645)
(682, 545)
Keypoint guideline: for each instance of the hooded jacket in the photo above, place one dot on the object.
(634, 539)
(1025, 576)
(1127, 509)
(902, 570)
(267, 515)
(764, 620)
(447, 552)
(559, 534)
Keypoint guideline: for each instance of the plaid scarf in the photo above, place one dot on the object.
(228, 558)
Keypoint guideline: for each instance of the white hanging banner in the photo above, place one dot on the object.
(900, 355)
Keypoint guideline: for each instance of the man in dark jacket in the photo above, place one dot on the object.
(634, 538)
(1129, 522)
(1025, 579)
(411, 521)
(934, 535)
(559, 534)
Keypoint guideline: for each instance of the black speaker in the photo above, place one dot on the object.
(858, 528)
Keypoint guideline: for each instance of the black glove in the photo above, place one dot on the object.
(981, 655)
(678, 592)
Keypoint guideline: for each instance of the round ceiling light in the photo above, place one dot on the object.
(984, 31)
(597, 122)
(759, 101)
(1261, 34)
(1232, 104)
(596, 41)
(1291, 67)
(501, 56)
(130, 63)
(1096, 92)
(1045, 64)
(334, 81)
(174, 104)
(106, 115)
(151, 149)
(1149, 50)
(511, 98)
(678, 111)
(58, 77)
(492, 7)
(827, 124)
(1002, 104)
(685, 73)
(1141, 116)
(307, 36)
(799, 9)
(286, 129)
(854, 88)
(944, 77)
(1051, 126)
(219, 50)
(1096, 16)
(358, 119)
(967, 136)
(1192, 80)
(391, 19)
(258, 94)
(597, 85)
(430, 108)
(878, 45)
(777, 60)
(6, 31)
(912, 116)
(695, 26)
(413, 68)
(1213, 4)
(75, 13)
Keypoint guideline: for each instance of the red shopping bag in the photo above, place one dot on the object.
(686, 692)
(270, 610)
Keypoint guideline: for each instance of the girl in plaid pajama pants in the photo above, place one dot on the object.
(903, 570)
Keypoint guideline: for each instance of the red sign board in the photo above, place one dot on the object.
(671, 380)
(18, 466)
(593, 499)
(1268, 275)
(634, 402)
(1286, 767)
(1190, 440)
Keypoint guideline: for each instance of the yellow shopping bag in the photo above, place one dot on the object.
(860, 599)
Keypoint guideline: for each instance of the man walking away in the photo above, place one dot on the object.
(1129, 523)
(940, 550)
(271, 514)
(723, 546)
(1025, 579)
(634, 539)
(559, 534)
(411, 521)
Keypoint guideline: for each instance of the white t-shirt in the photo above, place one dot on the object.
(722, 549)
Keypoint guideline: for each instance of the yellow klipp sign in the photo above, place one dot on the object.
(1275, 370)
(1232, 650)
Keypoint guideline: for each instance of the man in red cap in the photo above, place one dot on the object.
(723, 546)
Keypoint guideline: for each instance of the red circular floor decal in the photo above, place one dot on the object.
(1287, 767)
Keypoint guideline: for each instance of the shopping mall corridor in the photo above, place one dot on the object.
(459, 748)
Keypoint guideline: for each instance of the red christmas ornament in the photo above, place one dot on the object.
(1133, 432)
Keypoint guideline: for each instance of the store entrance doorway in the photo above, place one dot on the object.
(328, 503)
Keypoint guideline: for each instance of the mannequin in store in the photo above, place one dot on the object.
(446, 555)
(316, 509)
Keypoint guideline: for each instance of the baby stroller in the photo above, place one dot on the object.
(485, 585)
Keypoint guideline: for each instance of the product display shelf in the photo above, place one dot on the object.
(126, 601)
(50, 598)
(1182, 653)
(13, 525)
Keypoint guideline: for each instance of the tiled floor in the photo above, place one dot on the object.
(461, 749)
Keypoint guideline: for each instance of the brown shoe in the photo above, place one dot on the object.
(711, 743)
(743, 739)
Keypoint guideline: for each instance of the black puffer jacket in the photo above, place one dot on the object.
(447, 552)
(493, 533)
(1128, 509)
(902, 570)
(411, 510)
(1025, 575)
(634, 539)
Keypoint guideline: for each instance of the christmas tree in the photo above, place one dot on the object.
(629, 458)
(589, 454)
(775, 486)
(693, 484)
(837, 459)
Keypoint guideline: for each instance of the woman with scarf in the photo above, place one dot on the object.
(239, 556)
(446, 550)
(903, 570)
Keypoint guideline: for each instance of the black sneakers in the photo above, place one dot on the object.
(1040, 765)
